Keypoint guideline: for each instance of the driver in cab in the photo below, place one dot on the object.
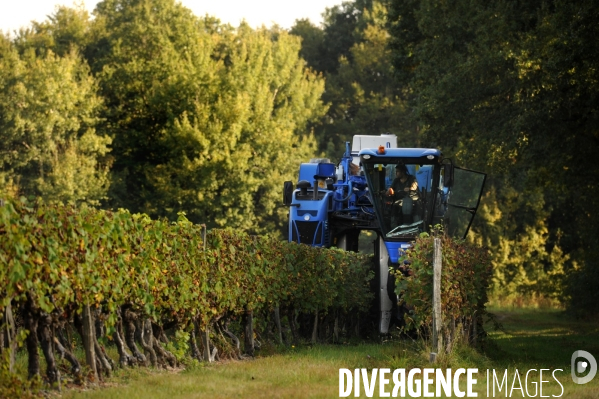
(404, 191)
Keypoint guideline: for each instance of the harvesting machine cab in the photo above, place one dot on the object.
(331, 204)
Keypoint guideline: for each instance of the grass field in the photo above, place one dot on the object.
(530, 339)
(534, 339)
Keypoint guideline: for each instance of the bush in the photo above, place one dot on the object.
(465, 278)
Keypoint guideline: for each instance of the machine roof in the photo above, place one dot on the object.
(402, 152)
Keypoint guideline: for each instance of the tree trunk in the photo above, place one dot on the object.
(47, 340)
(129, 324)
(195, 351)
(102, 357)
(125, 359)
(210, 355)
(30, 323)
(100, 330)
(236, 342)
(65, 354)
(158, 331)
(315, 327)
(145, 341)
(293, 325)
(450, 336)
(63, 336)
(164, 354)
(474, 329)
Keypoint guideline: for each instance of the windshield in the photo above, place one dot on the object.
(403, 196)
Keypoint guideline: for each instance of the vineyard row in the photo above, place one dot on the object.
(129, 278)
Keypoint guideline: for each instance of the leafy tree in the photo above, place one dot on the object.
(48, 113)
(510, 88)
(312, 42)
(353, 53)
(322, 47)
(66, 29)
(205, 118)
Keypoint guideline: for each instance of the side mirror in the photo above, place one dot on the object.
(287, 193)
(447, 175)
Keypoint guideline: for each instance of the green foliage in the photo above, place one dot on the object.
(179, 346)
(465, 278)
(64, 258)
(323, 47)
(15, 386)
(198, 116)
(510, 89)
(49, 145)
(352, 51)
(205, 118)
(582, 289)
(67, 29)
(312, 42)
(528, 262)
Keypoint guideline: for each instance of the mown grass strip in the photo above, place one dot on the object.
(530, 339)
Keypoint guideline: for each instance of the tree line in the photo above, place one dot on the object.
(511, 88)
(508, 88)
(148, 107)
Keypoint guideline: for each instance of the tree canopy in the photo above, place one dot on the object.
(49, 108)
(351, 51)
(511, 87)
(204, 118)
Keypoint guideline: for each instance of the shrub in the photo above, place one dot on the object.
(465, 278)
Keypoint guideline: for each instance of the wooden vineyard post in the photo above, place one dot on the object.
(10, 337)
(205, 334)
(315, 327)
(437, 317)
(206, 342)
(249, 332)
(204, 236)
(278, 323)
(88, 341)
